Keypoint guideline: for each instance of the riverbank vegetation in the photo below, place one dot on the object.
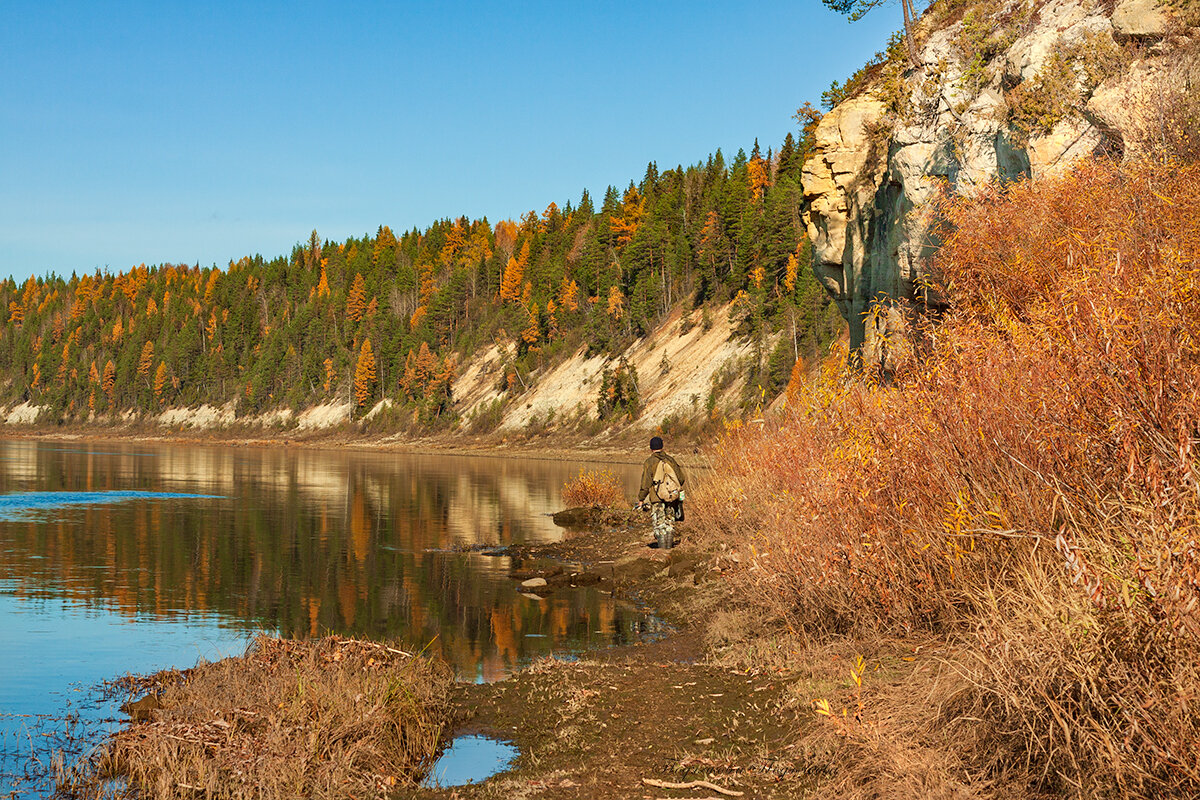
(599, 488)
(996, 545)
(329, 717)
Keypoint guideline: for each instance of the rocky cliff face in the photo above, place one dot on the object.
(1002, 91)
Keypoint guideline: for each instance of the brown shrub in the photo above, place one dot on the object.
(599, 488)
(1027, 492)
(323, 718)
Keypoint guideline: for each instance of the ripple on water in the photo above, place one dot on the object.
(470, 758)
(19, 506)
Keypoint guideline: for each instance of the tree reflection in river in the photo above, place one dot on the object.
(306, 542)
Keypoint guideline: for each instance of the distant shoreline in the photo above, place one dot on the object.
(556, 447)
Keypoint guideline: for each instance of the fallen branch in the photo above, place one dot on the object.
(691, 785)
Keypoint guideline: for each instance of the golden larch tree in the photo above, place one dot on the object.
(323, 283)
(514, 275)
(616, 303)
(532, 331)
(568, 294)
(330, 375)
(506, 236)
(108, 384)
(160, 381)
(364, 375)
(625, 224)
(408, 382)
(759, 174)
(65, 362)
(356, 301)
(425, 365)
(147, 359)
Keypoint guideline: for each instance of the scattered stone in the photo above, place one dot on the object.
(534, 583)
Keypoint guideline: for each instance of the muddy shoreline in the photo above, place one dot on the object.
(662, 711)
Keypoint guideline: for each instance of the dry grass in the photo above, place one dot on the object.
(598, 488)
(1025, 492)
(327, 718)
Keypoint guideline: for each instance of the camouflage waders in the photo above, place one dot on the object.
(664, 525)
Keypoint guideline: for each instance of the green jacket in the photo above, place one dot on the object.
(648, 469)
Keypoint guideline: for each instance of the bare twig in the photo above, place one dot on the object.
(692, 785)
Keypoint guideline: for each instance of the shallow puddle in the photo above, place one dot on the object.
(470, 759)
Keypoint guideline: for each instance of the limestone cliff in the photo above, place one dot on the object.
(997, 91)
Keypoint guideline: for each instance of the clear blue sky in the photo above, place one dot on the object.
(201, 132)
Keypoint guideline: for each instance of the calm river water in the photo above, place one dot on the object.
(120, 558)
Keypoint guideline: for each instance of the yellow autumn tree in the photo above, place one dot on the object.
(65, 361)
(364, 375)
(789, 275)
(16, 313)
(616, 303)
(425, 365)
(759, 174)
(160, 381)
(330, 375)
(625, 224)
(108, 384)
(456, 240)
(408, 383)
(532, 332)
(147, 359)
(323, 283)
(514, 275)
(356, 301)
(506, 236)
(568, 294)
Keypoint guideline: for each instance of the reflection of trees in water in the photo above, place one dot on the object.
(287, 550)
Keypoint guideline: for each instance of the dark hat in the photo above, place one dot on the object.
(656, 443)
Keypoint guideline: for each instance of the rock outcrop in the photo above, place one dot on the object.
(985, 104)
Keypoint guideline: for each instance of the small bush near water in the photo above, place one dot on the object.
(599, 488)
(328, 718)
(1025, 495)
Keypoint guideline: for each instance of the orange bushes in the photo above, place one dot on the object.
(598, 488)
(1028, 488)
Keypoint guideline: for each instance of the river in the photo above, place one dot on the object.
(132, 557)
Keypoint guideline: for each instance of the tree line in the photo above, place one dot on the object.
(393, 316)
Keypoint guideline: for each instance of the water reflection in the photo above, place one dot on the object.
(305, 542)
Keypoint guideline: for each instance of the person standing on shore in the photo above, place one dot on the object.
(662, 490)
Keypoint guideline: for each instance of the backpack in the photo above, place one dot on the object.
(666, 482)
